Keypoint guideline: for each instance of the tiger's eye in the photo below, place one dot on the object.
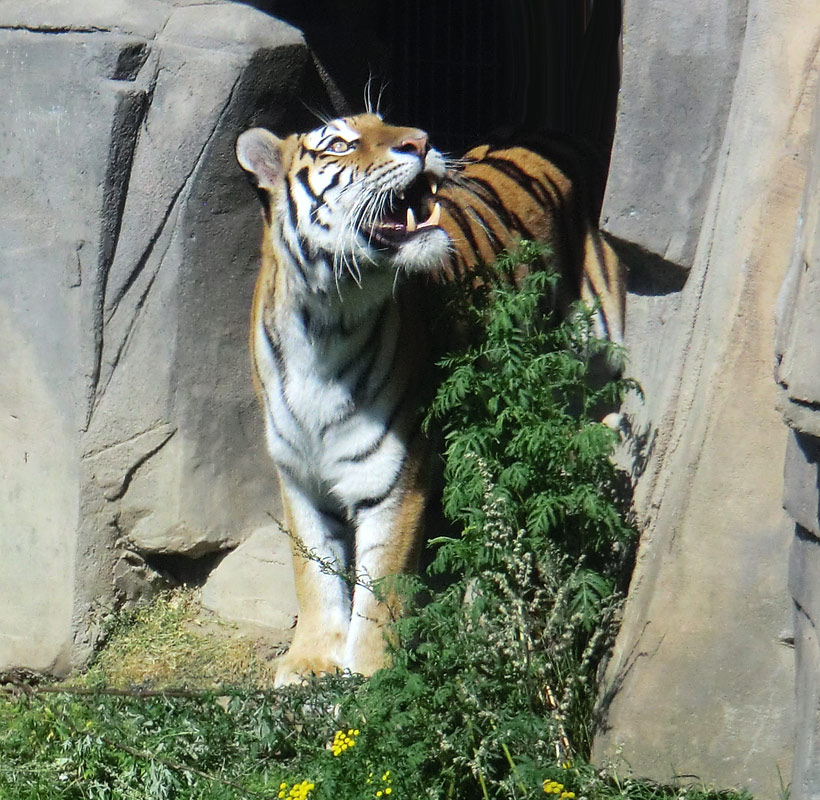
(340, 146)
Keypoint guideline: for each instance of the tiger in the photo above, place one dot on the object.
(361, 221)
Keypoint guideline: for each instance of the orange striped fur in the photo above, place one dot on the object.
(500, 195)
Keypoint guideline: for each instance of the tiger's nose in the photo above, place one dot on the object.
(414, 143)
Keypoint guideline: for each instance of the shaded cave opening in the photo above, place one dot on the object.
(465, 70)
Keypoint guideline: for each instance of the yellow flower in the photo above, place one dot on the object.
(299, 791)
(553, 787)
(343, 741)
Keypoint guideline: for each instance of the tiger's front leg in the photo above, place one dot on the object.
(388, 541)
(318, 547)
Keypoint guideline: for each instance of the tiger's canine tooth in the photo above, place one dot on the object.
(433, 219)
(411, 220)
(433, 187)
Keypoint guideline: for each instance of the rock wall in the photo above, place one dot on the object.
(706, 186)
(127, 262)
(797, 373)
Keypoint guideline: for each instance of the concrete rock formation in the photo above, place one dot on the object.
(128, 257)
(797, 372)
(701, 682)
(253, 585)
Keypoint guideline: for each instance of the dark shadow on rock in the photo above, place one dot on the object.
(639, 444)
(600, 714)
(347, 39)
(261, 100)
(180, 569)
(649, 274)
(810, 447)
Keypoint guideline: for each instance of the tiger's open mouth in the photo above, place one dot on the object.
(399, 221)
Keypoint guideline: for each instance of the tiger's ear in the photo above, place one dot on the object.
(259, 153)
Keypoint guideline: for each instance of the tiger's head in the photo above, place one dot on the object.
(349, 199)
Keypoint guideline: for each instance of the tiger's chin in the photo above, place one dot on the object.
(423, 252)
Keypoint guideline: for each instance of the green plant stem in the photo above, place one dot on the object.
(86, 691)
(483, 785)
(514, 769)
(167, 762)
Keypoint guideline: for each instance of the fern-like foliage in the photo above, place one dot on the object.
(520, 397)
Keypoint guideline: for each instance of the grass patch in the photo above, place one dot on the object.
(171, 643)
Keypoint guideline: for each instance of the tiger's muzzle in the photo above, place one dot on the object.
(408, 213)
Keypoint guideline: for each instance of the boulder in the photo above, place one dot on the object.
(804, 580)
(679, 66)
(253, 585)
(701, 681)
(127, 264)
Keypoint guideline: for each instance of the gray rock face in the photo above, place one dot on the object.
(797, 369)
(679, 67)
(127, 264)
(254, 583)
(797, 372)
(804, 580)
(702, 677)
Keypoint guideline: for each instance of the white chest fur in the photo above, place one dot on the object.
(335, 397)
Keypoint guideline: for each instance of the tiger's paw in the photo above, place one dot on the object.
(297, 668)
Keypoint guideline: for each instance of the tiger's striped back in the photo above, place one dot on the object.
(498, 195)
